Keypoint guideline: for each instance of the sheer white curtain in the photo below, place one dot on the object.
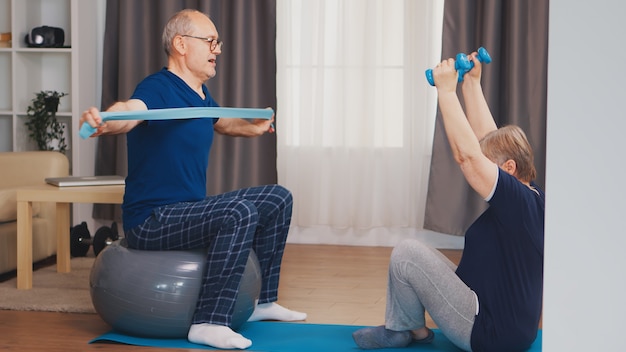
(356, 116)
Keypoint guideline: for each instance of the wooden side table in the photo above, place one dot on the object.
(63, 197)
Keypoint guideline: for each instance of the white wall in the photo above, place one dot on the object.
(585, 279)
(83, 211)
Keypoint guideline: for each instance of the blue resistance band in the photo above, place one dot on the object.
(178, 113)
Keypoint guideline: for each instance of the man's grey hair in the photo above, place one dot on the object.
(179, 24)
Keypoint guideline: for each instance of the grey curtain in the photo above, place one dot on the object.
(515, 32)
(246, 77)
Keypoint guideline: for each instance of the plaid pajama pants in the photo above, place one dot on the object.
(228, 225)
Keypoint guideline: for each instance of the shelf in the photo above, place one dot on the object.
(5, 16)
(35, 13)
(73, 69)
(40, 71)
(43, 50)
(5, 81)
(6, 137)
(26, 71)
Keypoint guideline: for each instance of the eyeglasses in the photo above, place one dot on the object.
(213, 43)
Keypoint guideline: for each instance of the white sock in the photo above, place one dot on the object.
(274, 311)
(218, 336)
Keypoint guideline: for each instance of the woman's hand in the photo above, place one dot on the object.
(446, 76)
(473, 75)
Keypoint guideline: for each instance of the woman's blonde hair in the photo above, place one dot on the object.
(510, 142)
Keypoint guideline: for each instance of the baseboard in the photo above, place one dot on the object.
(383, 237)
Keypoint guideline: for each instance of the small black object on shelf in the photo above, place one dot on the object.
(45, 37)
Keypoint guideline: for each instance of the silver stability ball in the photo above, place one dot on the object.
(154, 293)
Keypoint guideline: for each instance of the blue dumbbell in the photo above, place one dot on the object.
(462, 64)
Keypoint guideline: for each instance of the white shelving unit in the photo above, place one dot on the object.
(71, 69)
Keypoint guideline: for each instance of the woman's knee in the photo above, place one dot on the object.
(411, 254)
(408, 249)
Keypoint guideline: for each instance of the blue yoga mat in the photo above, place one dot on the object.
(290, 337)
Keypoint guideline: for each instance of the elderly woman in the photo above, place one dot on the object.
(492, 301)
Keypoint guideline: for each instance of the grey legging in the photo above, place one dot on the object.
(423, 279)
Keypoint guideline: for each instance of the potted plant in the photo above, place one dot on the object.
(42, 123)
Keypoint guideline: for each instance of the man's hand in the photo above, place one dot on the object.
(243, 127)
(92, 117)
(265, 125)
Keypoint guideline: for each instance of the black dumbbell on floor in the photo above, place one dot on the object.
(80, 239)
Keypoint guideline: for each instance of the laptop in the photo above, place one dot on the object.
(74, 181)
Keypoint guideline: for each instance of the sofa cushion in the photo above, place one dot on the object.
(8, 204)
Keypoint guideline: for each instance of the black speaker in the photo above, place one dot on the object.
(45, 37)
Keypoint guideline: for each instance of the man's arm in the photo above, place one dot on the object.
(478, 113)
(478, 170)
(244, 128)
(93, 118)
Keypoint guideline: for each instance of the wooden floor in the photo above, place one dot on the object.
(332, 284)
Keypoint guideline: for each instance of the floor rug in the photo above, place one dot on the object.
(290, 337)
(52, 291)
